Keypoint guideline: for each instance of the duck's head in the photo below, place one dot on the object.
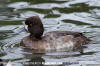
(35, 27)
(1, 62)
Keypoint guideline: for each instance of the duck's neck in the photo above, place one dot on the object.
(35, 38)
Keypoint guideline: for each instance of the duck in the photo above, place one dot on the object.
(51, 41)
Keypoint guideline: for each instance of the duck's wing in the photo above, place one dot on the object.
(77, 35)
(64, 33)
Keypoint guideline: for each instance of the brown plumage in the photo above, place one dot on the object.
(55, 40)
(35, 26)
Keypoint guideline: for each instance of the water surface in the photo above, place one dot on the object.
(70, 15)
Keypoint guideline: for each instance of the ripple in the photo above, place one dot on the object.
(19, 5)
(30, 13)
(94, 3)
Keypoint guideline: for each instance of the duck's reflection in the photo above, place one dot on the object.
(39, 58)
(35, 58)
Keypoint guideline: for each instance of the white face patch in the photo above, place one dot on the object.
(25, 26)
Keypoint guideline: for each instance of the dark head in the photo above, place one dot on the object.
(35, 27)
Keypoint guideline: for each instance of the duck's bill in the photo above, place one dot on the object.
(22, 28)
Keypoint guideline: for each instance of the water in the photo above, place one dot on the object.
(70, 15)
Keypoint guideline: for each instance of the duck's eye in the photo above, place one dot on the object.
(30, 25)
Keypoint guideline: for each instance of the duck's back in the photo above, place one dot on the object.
(76, 35)
(66, 39)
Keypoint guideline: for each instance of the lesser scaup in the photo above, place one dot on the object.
(55, 40)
